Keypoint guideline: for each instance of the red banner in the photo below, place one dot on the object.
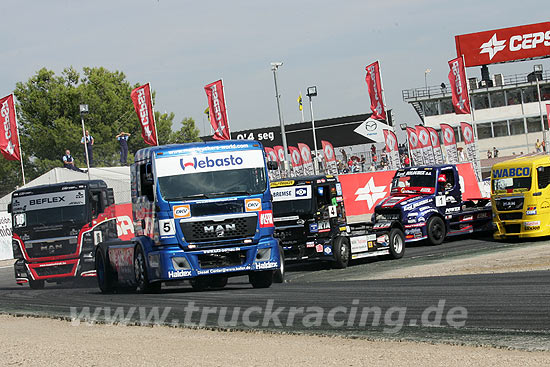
(392, 149)
(271, 155)
(9, 140)
(328, 151)
(415, 148)
(143, 104)
(305, 152)
(426, 144)
(280, 151)
(471, 147)
(375, 91)
(434, 137)
(459, 88)
(362, 191)
(295, 157)
(218, 110)
(448, 134)
(548, 114)
(467, 132)
(503, 45)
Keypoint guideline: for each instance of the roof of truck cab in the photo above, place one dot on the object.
(53, 186)
(524, 161)
(147, 153)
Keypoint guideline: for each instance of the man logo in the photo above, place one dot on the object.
(182, 211)
(253, 205)
(220, 229)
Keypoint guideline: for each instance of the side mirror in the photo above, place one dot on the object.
(149, 173)
(9, 208)
(271, 165)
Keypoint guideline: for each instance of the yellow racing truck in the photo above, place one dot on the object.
(520, 196)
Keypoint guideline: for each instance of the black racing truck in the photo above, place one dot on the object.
(310, 223)
(426, 203)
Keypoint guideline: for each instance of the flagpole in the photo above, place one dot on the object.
(383, 94)
(226, 109)
(19, 143)
(301, 106)
(153, 110)
(472, 115)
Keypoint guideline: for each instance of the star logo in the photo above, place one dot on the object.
(371, 193)
(492, 46)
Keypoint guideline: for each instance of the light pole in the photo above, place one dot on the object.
(274, 67)
(84, 110)
(312, 92)
(426, 79)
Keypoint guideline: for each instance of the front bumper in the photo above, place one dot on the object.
(53, 270)
(173, 263)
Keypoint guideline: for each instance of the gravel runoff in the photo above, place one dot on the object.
(27, 341)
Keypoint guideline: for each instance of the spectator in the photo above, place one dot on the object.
(373, 151)
(489, 154)
(461, 157)
(89, 144)
(495, 152)
(123, 140)
(68, 162)
(543, 143)
(363, 160)
(407, 161)
(538, 146)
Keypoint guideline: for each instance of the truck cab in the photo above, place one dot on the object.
(426, 202)
(520, 197)
(56, 228)
(309, 216)
(202, 212)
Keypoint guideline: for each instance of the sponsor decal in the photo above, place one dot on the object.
(49, 200)
(319, 248)
(266, 218)
(310, 244)
(182, 211)
(359, 244)
(284, 219)
(512, 172)
(313, 228)
(328, 250)
(179, 273)
(371, 193)
(291, 193)
(267, 265)
(253, 205)
(532, 210)
(532, 225)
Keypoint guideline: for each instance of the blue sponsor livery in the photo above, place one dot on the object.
(207, 162)
(512, 172)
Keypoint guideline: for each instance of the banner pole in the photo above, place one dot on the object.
(226, 110)
(474, 125)
(19, 142)
(153, 110)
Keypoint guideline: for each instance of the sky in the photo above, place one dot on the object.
(180, 46)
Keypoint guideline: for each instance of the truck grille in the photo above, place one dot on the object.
(510, 216)
(512, 228)
(204, 209)
(209, 261)
(210, 230)
(54, 270)
(507, 204)
(47, 249)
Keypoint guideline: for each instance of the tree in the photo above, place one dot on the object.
(187, 133)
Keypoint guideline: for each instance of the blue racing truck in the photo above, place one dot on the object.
(202, 212)
(426, 203)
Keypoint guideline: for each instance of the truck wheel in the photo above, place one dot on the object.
(104, 273)
(341, 249)
(261, 279)
(279, 274)
(36, 284)
(436, 231)
(218, 282)
(397, 243)
(142, 278)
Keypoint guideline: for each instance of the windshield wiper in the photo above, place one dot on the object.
(179, 198)
(231, 193)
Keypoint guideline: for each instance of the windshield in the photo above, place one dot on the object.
(422, 182)
(291, 200)
(511, 184)
(212, 184)
(49, 208)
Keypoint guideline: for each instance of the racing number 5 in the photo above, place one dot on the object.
(166, 227)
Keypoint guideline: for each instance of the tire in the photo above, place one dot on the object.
(36, 284)
(218, 282)
(436, 231)
(104, 272)
(279, 274)
(397, 243)
(142, 278)
(341, 250)
(261, 279)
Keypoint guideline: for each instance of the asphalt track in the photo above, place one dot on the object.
(506, 310)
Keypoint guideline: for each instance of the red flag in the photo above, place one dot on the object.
(328, 151)
(375, 91)
(548, 114)
(295, 157)
(141, 96)
(9, 139)
(271, 155)
(218, 110)
(305, 152)
(467, 132)
(423, 136)
(448, 134)
(413, 138)
(280, 151)
(434, 137)
(457, 80)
